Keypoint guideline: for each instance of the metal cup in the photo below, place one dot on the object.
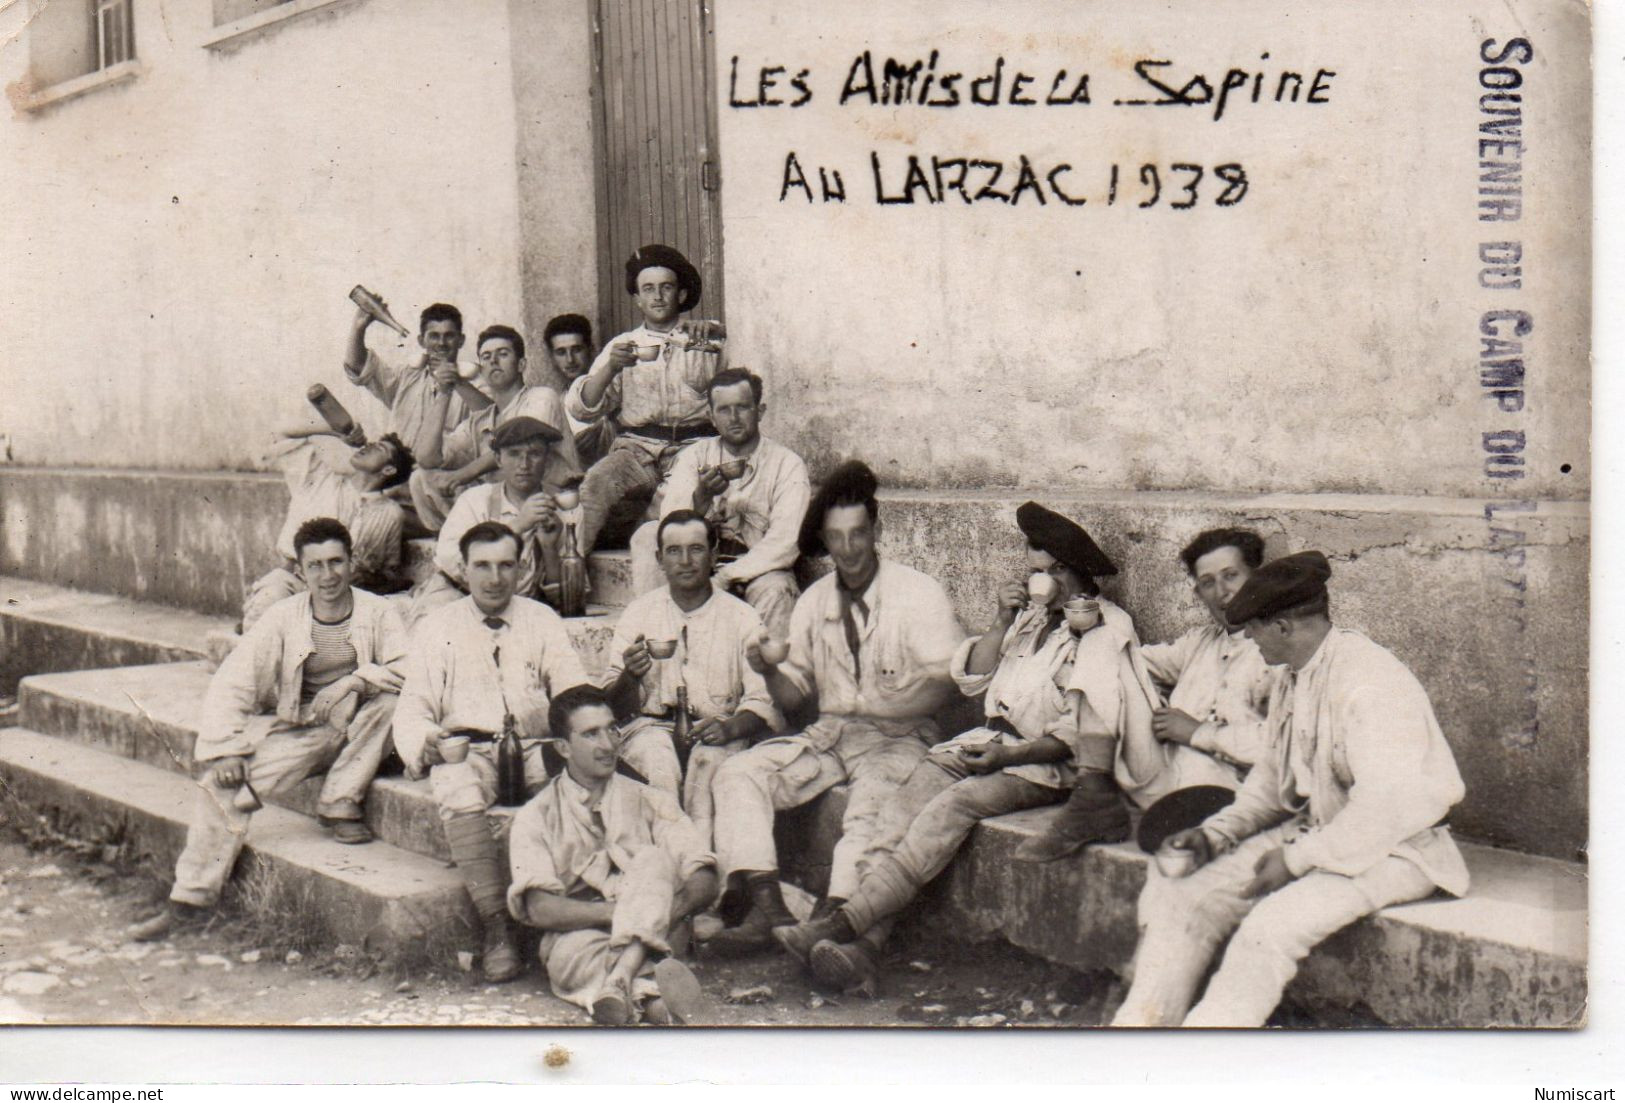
(662, 649)
(648, 352)
(454, 748)
(1082, 614)
(732, 469)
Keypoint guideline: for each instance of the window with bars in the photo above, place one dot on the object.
(69, 40)
(115, 32)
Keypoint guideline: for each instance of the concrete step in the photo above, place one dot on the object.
(609, 573)
(44, 627)
(149, 714)
(408, 907)
(1511, 953)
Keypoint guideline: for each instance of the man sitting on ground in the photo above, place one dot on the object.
(1341, 817)
(465, 457)
(1041, 735)
(476, 666)
(753, 490)
(523, 500)
(412, 391)
(652, 381)
(870, 647)
(311, 689)
(348, 484)
(608, 868)
(710, 631)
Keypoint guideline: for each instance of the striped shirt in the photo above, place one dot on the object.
(333, 657)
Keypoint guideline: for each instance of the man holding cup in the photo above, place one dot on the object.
(1042, 740)
(754, 491)
(331, 659)
(687, 642)
(1342, 816)
(476, 667)
(870, 648)
(523, 500)
(652, 380)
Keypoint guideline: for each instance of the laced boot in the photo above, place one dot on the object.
(851, 968)
(767, 911)
(1094, 813)
(175, 918)
(798, 941)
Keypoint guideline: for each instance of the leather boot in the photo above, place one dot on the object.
(1094, 813)
(173, 919)
(799, 940)
(851, 968)
(828, 906)
(766, 912)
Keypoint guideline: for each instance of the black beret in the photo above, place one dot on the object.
(664, 256)
(851, 484)
(1178, 811)
(518, 430)
(1065, 539)
(1279, 584)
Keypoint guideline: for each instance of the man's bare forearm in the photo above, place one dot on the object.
(549, 911)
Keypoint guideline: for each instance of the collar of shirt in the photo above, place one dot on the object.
(870, 595)
(572, 790)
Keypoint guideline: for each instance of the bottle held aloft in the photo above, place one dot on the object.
(374, 306)
(332, 410)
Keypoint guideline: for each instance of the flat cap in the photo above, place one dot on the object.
(518, 430)
(1279, 584)
(1065, 539)
(664, 256)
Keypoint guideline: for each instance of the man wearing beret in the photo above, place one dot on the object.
(652, 380)
(870, 648)
(465, 456)
(1341, 818)
(1042, 740)
(523, 500)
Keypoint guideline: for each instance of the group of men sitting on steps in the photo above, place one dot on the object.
(1289, 775)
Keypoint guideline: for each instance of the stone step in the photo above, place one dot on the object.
(44, 627)
(149, 714)
(1512, 953)
(409, 908)
(609, 573)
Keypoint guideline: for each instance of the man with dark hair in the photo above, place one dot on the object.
(570, 352)
(346, 481)
(523, 500)
(870, 646)
(652, 382)
(477, 667)
(329, 661)
(465, 456)
(753, 490)
(1212, 728)
(1341, 817)
(708, 631)
(608, 868)
(411, 391)
(1046, 736)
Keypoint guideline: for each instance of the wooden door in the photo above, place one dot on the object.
(657, 150)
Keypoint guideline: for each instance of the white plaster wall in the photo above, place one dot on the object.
(1319, 335)
(175, 252)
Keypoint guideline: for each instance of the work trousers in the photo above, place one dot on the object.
(926, 822)
(579, 962)
(874, 756)
(286, 756)
(470, 786)
(627, 469)
(1184, 921)
(646, 746)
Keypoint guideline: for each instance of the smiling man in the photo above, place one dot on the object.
(608, 868)
(330, 660)
(710, 632)
(870, 648)
(466, 457)
(753, 490)
(652, 381)
(427, 395)
(347, 482)
(485, 662)
(1342, 816)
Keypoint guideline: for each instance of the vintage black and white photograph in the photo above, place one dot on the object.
(878, 513)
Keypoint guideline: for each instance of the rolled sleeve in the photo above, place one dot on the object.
(970, 684)
(575, 402)
(530, 860)
(380, 378)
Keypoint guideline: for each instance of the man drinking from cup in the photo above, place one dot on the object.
(1043, 739)
(477, 667)
(523, 500)
(754, 491)
(686, 643)
(652, 381)
(1341, 816)
(331, 660)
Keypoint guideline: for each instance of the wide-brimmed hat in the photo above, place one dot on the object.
(664, 256)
